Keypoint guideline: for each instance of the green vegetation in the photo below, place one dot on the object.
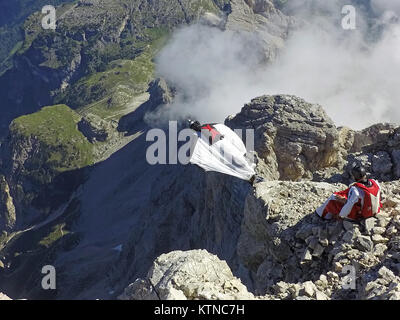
(114, 89)
(11, 41)
(101, 37)
(17, 46)
(63, 146)
(106, 93)
(56, 234)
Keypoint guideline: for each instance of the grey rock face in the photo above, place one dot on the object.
(7, 208)
(19, 151)
(202, 214)
(385, 286)
(293, 138)
(275, 215)
(373, 135)
(283, 243)
(260, 17)
(93, 128)
(188, 275)
(160, 94)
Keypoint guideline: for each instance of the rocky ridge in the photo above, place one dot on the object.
(293, 138)
(291, 253)
(284, 250)
(89, 35)
(186, 275)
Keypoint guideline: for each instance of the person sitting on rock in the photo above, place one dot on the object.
(360, 201)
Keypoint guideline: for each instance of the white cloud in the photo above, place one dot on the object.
(218, 72)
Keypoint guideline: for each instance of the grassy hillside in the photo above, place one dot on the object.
(105, 93)
(63, 146)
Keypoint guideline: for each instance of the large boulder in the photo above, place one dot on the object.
(293, 138)
(377, 134)
(187, 275)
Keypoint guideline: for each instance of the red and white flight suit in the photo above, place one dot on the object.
(357, 202)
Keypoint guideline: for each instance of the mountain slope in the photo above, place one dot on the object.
(89, 35)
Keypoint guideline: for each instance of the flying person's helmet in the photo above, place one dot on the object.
(358, 172)
(195, 125)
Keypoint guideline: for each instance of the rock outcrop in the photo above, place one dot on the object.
(290, 253)
(297, 140)
(89, 35)
(293, 138)
(188, 275)
(262, 19)
(42, 158)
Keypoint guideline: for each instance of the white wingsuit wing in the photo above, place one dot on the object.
(226, 155)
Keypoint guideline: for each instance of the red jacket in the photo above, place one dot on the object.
(372, 200)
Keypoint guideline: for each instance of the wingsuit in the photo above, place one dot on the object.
(218, 148)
